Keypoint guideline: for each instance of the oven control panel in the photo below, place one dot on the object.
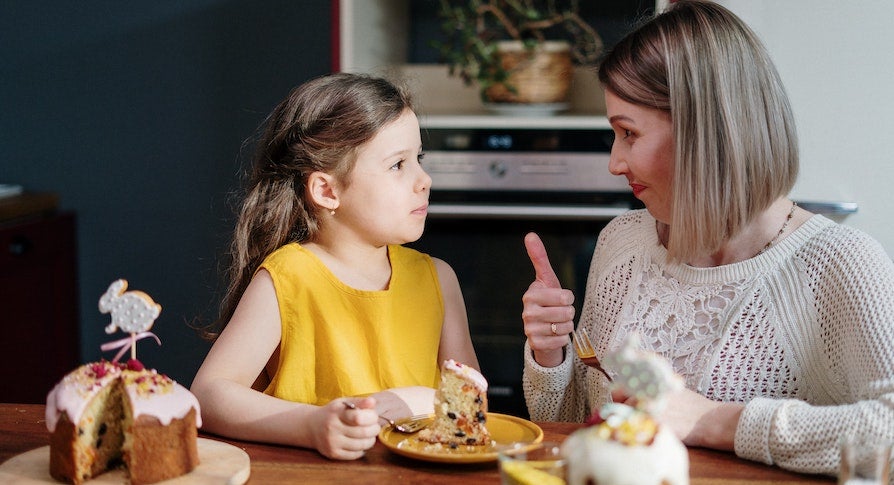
(575, 172)
(476, 158)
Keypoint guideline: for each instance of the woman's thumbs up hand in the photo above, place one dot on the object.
(548, 313)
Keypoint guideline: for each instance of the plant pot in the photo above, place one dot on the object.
(540, 75)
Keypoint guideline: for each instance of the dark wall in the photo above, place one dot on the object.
(135, 114)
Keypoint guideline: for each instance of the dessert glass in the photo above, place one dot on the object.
(531, 464)
(864, 463)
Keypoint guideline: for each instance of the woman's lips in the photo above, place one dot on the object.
(421, 211)
(637, 189)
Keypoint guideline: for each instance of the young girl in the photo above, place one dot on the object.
(325, 307)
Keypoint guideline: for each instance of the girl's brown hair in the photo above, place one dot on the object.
(319, 126)
(736, 147)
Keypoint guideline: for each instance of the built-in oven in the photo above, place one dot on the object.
(494, 180)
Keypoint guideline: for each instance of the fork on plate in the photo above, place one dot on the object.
(585, 351)
(404, 425)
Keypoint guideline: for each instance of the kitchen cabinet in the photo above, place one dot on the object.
(38, 298)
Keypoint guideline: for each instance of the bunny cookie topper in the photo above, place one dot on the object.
(132, 311)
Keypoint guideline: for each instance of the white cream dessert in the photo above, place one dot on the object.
(623, 445)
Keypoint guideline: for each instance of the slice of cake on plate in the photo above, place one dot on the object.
(460, 408)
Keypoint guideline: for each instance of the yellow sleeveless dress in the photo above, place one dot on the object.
(339, 341)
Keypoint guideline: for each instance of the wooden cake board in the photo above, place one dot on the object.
(219, 462)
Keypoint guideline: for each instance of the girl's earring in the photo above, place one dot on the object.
(332, 212)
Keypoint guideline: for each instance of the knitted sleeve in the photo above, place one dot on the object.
(550, 392)
(571, 391)
(851, 281)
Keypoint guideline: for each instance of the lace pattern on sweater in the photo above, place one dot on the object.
(684, 322)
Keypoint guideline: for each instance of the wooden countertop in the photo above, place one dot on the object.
(22, 428)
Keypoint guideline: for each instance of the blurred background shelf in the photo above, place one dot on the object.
(38, 296)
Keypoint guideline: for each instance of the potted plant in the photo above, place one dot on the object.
(516, 51)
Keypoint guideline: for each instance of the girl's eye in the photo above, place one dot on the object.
(620, 134)
(397, 166)
(420, 157)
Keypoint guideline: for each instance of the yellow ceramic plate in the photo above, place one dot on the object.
(504, 429)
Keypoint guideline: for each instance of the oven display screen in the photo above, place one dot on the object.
(517, 140)
(499, 142)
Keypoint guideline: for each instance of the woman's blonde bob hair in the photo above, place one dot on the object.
(736, 147)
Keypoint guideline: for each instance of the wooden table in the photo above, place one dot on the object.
(22, 428)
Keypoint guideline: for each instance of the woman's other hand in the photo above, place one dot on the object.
(695, 419)
(343, 433)
(548, 313)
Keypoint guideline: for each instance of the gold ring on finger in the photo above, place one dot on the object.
(554, 328)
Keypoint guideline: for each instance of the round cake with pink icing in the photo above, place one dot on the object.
(109, 414)
(103, 414)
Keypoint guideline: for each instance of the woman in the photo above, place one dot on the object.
(780, 322)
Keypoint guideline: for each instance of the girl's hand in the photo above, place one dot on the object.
(403, 402)
(346, 434)
(548, 312)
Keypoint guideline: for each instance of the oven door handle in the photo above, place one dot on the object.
(535, 212)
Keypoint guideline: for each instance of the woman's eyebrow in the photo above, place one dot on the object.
(617, 118)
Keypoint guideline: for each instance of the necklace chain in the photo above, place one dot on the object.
(781, 230)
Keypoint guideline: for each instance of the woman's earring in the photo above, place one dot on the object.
(332, 212)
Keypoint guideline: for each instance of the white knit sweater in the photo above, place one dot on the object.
(803, 334)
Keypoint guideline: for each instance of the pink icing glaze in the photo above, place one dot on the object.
(156, 395)
(72, 394)
(150, 393)
(470, 372)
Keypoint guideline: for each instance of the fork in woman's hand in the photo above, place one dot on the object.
(585, 351)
